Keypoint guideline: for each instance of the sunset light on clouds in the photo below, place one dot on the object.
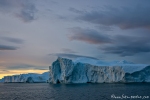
(33, 33)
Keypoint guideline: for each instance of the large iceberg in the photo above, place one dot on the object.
(85, 70)
(27, 78)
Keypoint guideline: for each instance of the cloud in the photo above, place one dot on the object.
(68, 55)
(27, 13)
(26, 66)
(88, 35)
(5, 5)
(6, 47)
(22, 9)
(125, 18)
(127, 45)
(105, 28)
(8, 40)
(13, 40)
(4, 71)
(128, 50)
(122, 45)
(66, 50)
(75, 10)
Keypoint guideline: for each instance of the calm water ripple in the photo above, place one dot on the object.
(45, 91)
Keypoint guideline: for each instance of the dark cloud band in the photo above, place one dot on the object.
(123, 45)
(88, 35)
(26, 66)
(128, 45)
(13, 40)
(125, 18)
(67, 55)
(5, 47)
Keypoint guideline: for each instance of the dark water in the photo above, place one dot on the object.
(45, 91)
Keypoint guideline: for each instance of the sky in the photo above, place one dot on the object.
(33, 33)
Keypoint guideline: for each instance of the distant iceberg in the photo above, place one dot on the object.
(27, 78)
(2, 80)
(85, 70)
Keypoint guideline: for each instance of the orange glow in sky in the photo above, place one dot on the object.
(17, 72)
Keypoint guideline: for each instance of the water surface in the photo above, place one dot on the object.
(45, 91)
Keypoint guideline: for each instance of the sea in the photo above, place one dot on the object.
(89, 91)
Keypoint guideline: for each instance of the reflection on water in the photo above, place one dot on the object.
(45, 91)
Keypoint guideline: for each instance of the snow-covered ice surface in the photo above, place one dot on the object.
(128, 67)
(84, 70)
(30, 78)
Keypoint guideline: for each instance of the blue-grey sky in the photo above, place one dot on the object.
(34, 32)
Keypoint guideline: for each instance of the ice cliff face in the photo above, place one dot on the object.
(27, 78)
(83, 70)
(139, 76)
(1, 80)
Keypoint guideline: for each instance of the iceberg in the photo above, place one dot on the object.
(27, 78)
(86, 70)
(2, 80)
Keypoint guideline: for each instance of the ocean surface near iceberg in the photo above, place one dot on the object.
(45, 91)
